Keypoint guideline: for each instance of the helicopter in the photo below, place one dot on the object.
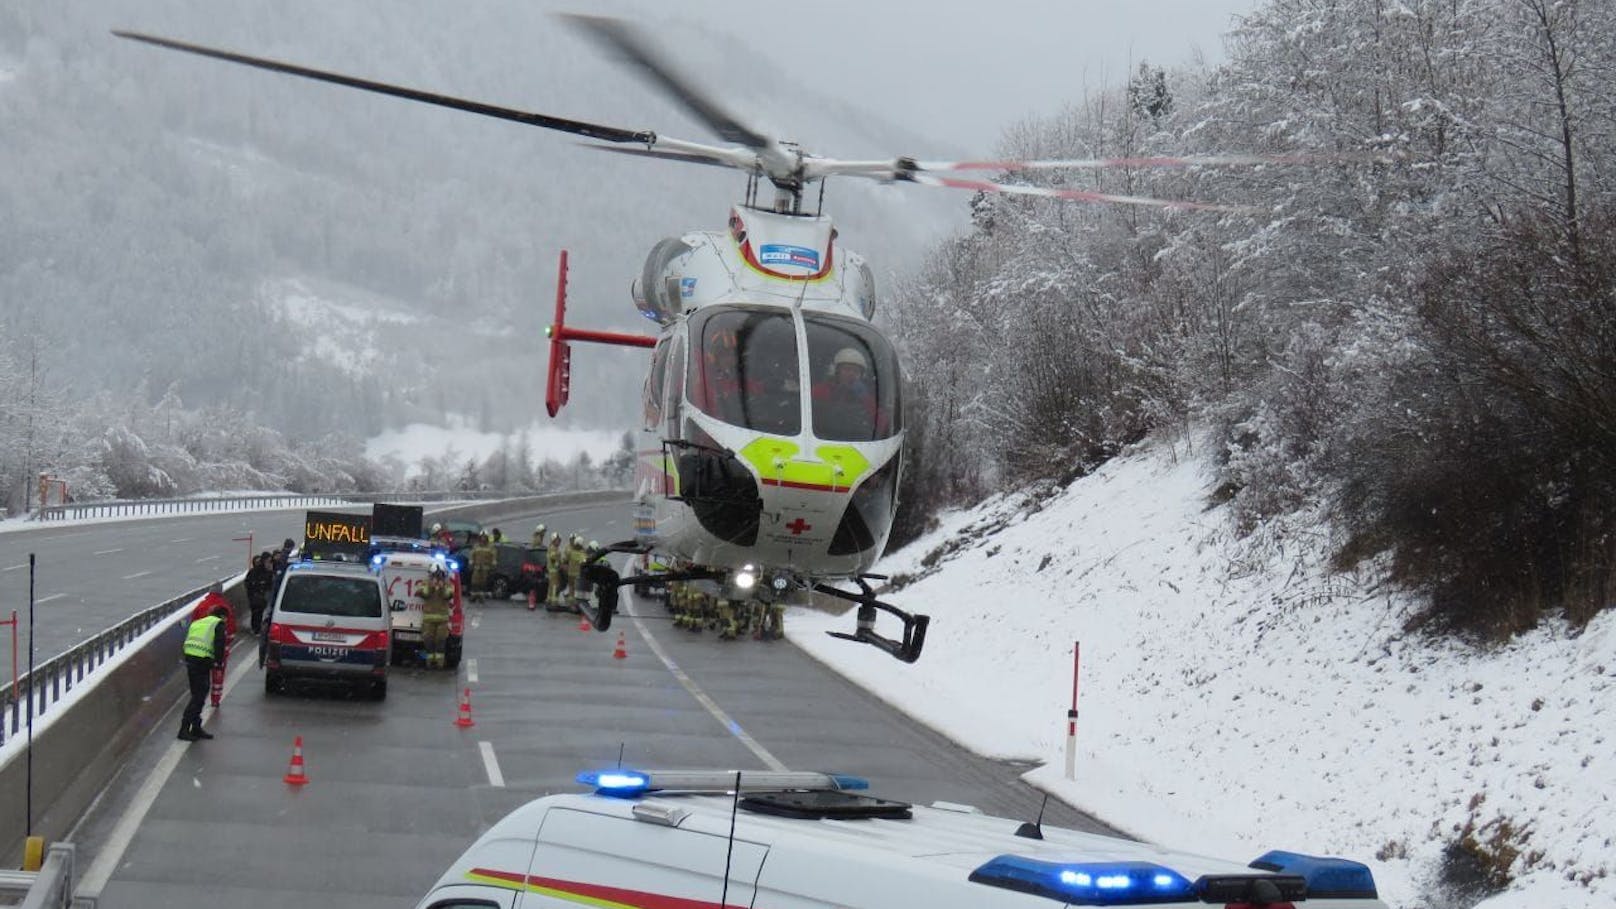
(771, 437)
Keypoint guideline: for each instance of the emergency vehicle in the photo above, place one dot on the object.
(792, 840)
(328, 622)
(403, 573)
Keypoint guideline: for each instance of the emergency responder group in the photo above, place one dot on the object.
(696, 608)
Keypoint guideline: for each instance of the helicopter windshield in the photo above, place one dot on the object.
(743, 369)
(855, 380)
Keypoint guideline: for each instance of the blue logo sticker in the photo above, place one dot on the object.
(687, 287)
(781, 254)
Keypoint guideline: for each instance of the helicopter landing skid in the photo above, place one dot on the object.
(605, 581)
(914, 626)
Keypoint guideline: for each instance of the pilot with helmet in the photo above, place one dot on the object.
(850, 409)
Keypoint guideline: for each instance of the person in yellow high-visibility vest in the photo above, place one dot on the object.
(204, 649)
(555, 572)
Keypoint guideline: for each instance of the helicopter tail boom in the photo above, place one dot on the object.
(559, 384)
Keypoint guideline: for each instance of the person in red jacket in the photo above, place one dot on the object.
(212, 600)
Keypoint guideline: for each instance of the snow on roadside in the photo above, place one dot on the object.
(1237, 697)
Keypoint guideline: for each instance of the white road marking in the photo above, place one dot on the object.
(54, 596)
(491, 764)
(769, 760)
(476, 621)
(184, 540)
(138, 574)
(95, 880)
(14, 567)
(209, 558)
(108, 551)
(471, 672)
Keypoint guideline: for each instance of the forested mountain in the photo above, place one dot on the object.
(1414, 326)
(319, 260)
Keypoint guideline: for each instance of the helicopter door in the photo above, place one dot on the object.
(652, 398)
(672, 392)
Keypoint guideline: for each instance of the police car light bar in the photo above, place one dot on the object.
(1327, 878)
(632, 783)
(1088, 883)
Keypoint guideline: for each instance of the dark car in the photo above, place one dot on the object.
(517, 570)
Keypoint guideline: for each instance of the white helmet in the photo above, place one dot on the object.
(850, 355)
(539, 529)
(436, 528)
(594, 545)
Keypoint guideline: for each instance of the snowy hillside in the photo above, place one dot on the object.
(1236, 698)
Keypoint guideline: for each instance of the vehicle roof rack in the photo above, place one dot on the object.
(826, 805)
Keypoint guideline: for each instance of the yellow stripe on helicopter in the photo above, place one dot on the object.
(837, 469)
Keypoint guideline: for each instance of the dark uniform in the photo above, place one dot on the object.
(204, 649)
(260, 581)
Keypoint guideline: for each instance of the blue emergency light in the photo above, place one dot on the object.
(1327, 878)
(1088, 883)
(621, 783)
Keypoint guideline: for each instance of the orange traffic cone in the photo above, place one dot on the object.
(621, 653)
(583, 622)
(464, 719)
(294, 774)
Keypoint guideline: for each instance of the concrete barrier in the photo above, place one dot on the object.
(79, 752)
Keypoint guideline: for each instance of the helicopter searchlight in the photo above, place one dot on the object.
(771, 437)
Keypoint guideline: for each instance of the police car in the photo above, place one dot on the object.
(791, 840)
(328, 622)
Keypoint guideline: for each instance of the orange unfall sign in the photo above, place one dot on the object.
(332, 531)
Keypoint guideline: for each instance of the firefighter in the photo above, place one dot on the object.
(726, 620)
(437, 598)
(575, 569)
(555, 572)
(538, 538)
(771, 622)
(482, 565)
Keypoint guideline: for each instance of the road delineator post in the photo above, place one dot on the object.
(295, 774)
(621, 653)
(464, 719)
(532, 599)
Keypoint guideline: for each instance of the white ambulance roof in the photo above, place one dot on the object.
(872, 861)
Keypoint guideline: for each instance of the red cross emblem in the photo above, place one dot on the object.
(798, 526)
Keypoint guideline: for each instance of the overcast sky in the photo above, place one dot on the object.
(962, 73)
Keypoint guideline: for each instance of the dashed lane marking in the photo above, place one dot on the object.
(95, 880)
(14, 567)
(181, 540)
(491, 764)
(138, 574)
(107, 551)
(54, 596)
(769, 760)
(471, 671)
(209, 558)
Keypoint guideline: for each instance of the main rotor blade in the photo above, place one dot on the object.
(619, 36)
(561, 124)
(903, 168)
(1076, 195)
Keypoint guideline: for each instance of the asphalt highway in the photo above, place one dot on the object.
(396, 790)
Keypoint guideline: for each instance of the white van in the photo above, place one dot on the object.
(328, 622)
(402, 574)
(804, 841)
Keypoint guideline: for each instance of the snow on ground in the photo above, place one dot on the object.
(418, 441)
(1235, 697)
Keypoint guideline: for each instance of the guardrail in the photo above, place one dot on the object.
(140, 507)
(56, 677)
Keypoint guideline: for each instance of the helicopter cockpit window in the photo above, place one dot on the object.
(743, 369)
(855, 380)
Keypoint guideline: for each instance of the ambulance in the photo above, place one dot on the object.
(794, 840)
(403, 573)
